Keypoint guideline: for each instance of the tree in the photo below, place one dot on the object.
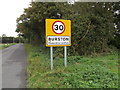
(116, 7)
(4, 35)
(92, 24)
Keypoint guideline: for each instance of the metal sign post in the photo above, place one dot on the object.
(65, 56)
(58, 33)
(51, 57)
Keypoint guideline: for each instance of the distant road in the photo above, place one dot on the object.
(14, 64)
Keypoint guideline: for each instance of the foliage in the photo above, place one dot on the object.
(92, 25)
(117, 23)
(95, 77)
(10, 39)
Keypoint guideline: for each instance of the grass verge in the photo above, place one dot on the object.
(81, 72)
(2, 46)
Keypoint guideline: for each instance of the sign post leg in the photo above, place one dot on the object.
(65, 56)
(51, 57)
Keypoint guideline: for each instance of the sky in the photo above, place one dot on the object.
(10, 10)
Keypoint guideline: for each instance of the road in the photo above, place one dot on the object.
(14, 67)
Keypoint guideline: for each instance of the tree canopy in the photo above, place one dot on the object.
(93, 24)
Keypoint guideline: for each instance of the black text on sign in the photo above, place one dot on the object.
(58, 40)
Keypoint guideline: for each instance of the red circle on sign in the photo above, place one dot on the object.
(53, 27)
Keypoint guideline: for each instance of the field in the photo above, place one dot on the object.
(2, 46)
(81, 72)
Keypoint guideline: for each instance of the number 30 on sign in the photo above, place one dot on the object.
(58, 32)
(58, 27)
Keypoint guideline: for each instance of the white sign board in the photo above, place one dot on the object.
(58, 40)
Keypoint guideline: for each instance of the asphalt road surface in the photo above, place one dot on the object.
(14, 67)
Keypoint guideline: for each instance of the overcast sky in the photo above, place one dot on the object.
(9, 11)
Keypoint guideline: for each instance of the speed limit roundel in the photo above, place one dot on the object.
(58, 27)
